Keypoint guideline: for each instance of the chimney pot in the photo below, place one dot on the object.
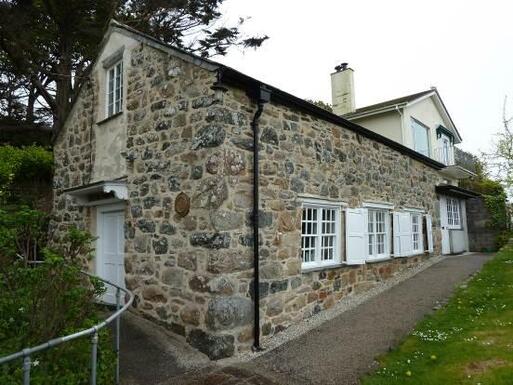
(341, 67)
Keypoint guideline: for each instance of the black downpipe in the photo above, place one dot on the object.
(264, 95)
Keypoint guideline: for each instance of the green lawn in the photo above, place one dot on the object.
(469, 341)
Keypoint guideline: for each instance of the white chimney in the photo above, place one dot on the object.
(342, 90)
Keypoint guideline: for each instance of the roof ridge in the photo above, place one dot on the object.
(398, 100)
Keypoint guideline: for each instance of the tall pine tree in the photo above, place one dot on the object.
(47, 45)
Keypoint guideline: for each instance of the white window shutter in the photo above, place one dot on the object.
(443, 211)
(396, 235)
(429, 232)
(389, 237)
(403, 242)
(356, 229)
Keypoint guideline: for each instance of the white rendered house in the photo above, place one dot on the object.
(422, 123)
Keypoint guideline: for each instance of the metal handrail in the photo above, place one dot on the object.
(92, 331)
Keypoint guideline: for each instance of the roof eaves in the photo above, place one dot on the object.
(238, 79)
(156, 43)
(382, 110)
(456, 191)
(392, 102)
(426, 95)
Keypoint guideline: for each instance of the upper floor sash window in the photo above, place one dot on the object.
(420, 137)
(115, 89)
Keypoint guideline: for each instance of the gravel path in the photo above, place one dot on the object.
(337, 348)
(150, 354)
(345, 347)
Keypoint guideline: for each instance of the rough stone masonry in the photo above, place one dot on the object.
(193, 273)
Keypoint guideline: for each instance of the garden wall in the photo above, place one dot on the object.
(482, 237)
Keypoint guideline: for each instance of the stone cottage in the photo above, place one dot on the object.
(157, 158)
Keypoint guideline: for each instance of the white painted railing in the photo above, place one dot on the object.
(444, 155)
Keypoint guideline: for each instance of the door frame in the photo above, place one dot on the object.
(446, 236)
(100, 210)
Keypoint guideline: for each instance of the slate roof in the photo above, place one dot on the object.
(383, 106)
(390, 103)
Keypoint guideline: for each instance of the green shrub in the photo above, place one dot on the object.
(51, 300)
(19, 165)
(47, 301)
(496, 200)
(503, 238)
(23, 234)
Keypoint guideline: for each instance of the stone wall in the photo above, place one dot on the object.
(73, 163)
(193, 272)
(482, 237)
(305, 156)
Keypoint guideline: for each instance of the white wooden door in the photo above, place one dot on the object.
(446, 240)
(111, 249)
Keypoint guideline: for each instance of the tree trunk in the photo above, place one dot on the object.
(30, 104)
(63, 87)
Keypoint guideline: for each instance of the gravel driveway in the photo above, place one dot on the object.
(345, 347)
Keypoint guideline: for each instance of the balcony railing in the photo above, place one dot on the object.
(444, 155)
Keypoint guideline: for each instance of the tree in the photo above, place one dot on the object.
(320, 103)
(494, 196)
(47, 46)
(500, 159)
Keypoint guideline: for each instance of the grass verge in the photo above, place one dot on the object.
(469, 341)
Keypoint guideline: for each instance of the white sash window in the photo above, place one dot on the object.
(320, 235)
(416, 232)
(115, 89)
(453, 213)
(377, 234)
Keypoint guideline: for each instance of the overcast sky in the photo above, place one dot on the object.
(464, 48)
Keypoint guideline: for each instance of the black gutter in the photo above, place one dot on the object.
(456, 191)
(240, 80)
(263, 96)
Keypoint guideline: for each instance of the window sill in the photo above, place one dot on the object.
(112, 117)
(321, 268)
(378, 260)
(412, 255)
